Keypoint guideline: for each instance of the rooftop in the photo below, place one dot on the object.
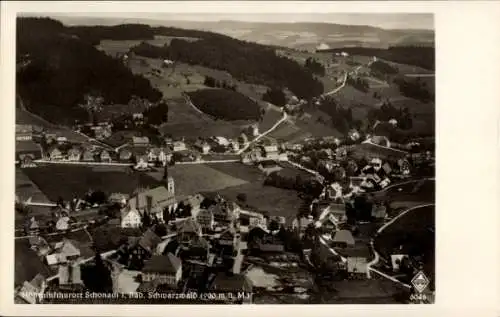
(163, 264)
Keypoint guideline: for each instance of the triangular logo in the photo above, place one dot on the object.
(420, 282)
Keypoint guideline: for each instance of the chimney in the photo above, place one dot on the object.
(149, 203)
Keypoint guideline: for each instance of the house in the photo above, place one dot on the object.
(187, 230)
(343, 239)
(70, 277)
(252, 219)
(254, 130)
(154, 201)
(165, 269)
(124, 154)
(179, 146)
(32, 291)
(24, 132)
(104, 156)
(130, 218)
(229, 240)
(55, 154)
(234, 284)
(357, 266)
(271, 151)
(235, 146)
(55, 259)
(222, 141)
(205, 218)
(271, 243)
(269, 167)
(202, 146)
(39, 245)
(61, 139)
(63, 224)
(102, 132)
(198, 250)
(396, 260)
(379, 212)
(32, 227)
(118, 198)
(68, 249)
(74, 154)
(88, 155)
(195, 202)
(299, 225)
(147, 243)
(140, 141)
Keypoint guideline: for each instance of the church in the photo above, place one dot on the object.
(156, 202)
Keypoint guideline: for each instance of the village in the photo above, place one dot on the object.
(207, 244)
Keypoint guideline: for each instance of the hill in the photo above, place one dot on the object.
(249, 62)
(299, 35)
(59, 69)
(422, 56)
(225, 104)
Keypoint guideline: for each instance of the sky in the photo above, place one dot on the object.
(382, 20)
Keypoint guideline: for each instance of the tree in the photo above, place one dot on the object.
(242, 198)
(274, 225)
(146, 220)
(275, 96)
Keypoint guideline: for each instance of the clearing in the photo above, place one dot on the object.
(68, 181)
(194, 178)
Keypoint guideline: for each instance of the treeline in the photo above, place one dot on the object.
(301, 184)
(381, 69)
(95, 34)
(276, 96)
(314, 66)
(415, 89)
(342, 118)
(421, 56)
(214, 83)
(387, 112)
(358, 83)
(63, 69)
(156, 115)
(225, 104)
(250, 62)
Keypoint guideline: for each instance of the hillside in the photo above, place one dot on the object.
(411, 55)
(59, 69)
(249, 62)
(299, 35)
(225, 104)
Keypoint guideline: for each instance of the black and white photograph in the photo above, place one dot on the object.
(224, 158)
(185, 153)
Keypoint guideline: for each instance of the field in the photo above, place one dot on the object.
(68, 181)
(193, 178)
(113, 47)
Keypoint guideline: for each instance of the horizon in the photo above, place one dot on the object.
(388, 21)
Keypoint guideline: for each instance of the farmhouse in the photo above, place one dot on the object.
(166, 269)
(179, 146)
(202, 146)
(140, 141)
(74, 154)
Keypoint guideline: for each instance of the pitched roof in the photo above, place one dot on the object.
(69, 248)
(55, 258)
(163, 264)
(188, 225)
(137, 139)
(149, 240)
(344, 236)
(161, 197)
(194, 200)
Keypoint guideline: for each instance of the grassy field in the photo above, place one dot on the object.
(238, 170)
(276, 201)
(191, 179)
(68, 181)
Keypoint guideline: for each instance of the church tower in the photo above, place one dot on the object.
(169, 180)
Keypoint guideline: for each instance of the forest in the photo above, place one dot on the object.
(249, 62)
(62, 69)
(225, 104)
(421, 56)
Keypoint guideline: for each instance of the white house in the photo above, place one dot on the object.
(179, 146)
(130, 218)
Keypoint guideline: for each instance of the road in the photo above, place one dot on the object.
(258, 137)
(377, 256)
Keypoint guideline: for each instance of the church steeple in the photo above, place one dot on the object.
(169, 180)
